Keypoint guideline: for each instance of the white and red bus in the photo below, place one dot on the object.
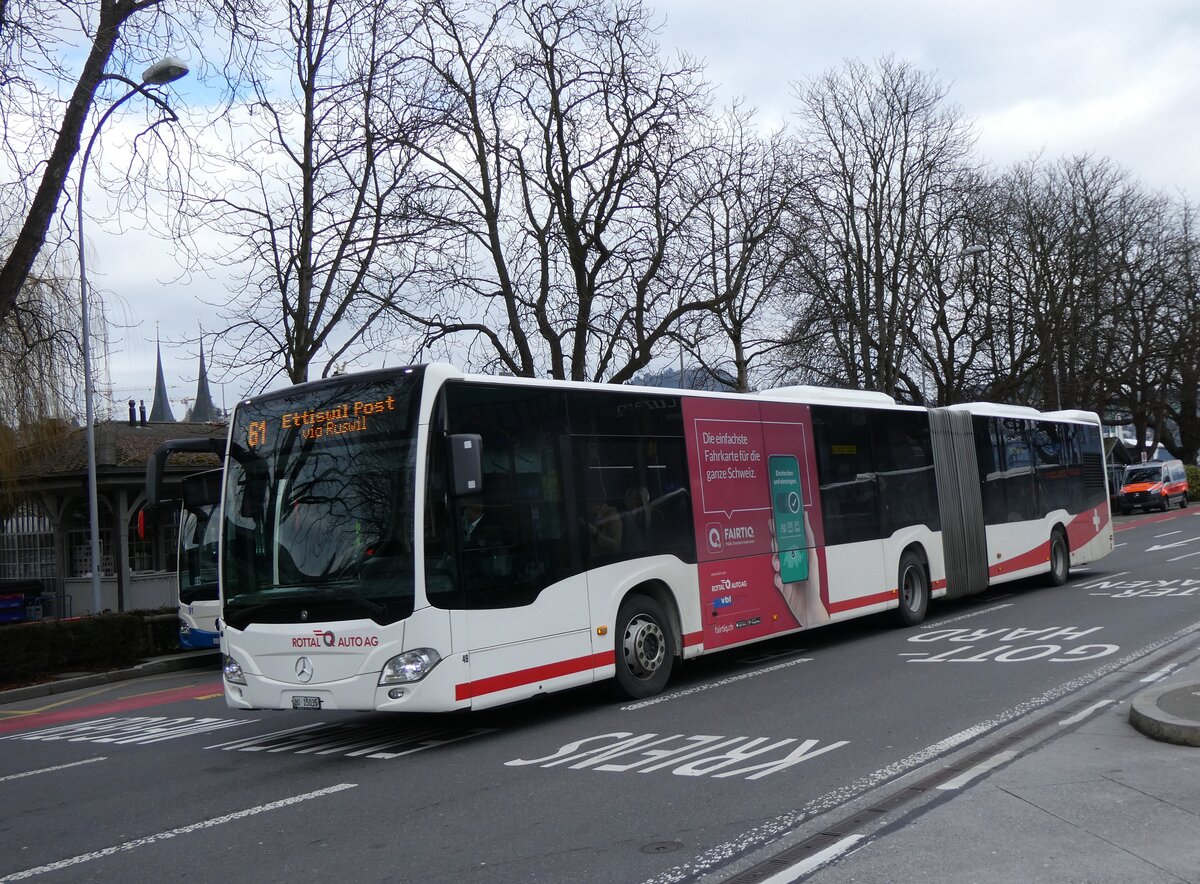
(418, 539)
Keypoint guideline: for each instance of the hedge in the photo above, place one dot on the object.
(1193, 476)
(38, 650)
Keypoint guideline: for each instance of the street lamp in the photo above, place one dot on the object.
(161, 72)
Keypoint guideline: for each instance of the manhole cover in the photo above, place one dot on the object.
(661, 846)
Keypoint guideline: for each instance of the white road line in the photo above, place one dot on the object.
(1158, 676)
(1080, 716)
(182, 830)
(978, 770)
(938, 624)
(1168, 534)
(1187, 556)
(780, 826)
(1105, 579)
(814, 862)
(251, 741)
(716, 684)
(30, 773)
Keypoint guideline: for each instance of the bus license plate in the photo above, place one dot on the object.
(306, 702)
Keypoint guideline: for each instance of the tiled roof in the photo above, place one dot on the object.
(118, 446)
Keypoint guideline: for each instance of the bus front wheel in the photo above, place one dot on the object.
(914, 589)
(1060, 559)
(644, 649)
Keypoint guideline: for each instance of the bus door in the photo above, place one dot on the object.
(519, 612)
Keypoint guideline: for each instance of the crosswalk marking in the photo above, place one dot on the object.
(380, 740)
(140, 730)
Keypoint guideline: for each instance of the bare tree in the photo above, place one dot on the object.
(568, 162)
(40, 132)
(740, 254)
(1183, 400)
(318, 193)
(40, 372)
(881, 152)
(1074, 271)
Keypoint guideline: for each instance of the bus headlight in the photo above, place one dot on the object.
(233, 671)
(410, 666)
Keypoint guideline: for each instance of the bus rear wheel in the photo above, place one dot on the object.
(914, 589)
(1060, 559)
(645, 654)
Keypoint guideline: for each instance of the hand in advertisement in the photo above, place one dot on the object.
(803, 596)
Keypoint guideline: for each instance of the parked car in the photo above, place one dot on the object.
(1153, 485)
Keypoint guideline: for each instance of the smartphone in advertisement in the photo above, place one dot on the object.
(787, 505)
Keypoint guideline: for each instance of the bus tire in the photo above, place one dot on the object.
(644, 649)
(1060, 558)
(914, 589)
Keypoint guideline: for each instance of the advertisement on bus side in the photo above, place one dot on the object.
(757, 518)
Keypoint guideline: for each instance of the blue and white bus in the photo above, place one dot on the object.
(197, 586)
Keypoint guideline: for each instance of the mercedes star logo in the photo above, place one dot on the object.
(304, 670)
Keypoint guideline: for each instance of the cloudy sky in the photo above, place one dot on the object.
(1056, 77)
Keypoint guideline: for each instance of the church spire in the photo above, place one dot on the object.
(204, 409)
(161, 412)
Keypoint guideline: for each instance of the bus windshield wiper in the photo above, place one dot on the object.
(302, 593)
(342, 594)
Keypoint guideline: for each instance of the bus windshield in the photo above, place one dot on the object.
(198, 555)
(318, 512)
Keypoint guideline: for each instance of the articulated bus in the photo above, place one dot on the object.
(197, 585)
(419, 539)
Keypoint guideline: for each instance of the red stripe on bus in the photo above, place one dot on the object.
(1083, 529)
(1039, 555)
(693, 638)
(863, 601)
(528, 676)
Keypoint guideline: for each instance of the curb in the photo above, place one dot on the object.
(173, 663)
(1147, 715)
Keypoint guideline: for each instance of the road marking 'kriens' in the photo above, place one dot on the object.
(172, 833)
(30, 773)
(696, 756)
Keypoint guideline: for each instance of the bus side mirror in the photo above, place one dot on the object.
(466, 463)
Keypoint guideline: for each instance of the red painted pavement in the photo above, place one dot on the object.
(110, 707)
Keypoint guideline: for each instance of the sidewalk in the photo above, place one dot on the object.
(149, 666)
(1104, 802)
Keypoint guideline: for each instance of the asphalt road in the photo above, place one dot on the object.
(156, 779)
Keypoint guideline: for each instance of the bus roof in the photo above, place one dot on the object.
(439, 372)
(830, 394)
(1025, 412)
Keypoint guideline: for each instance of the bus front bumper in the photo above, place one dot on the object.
(360, 693)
